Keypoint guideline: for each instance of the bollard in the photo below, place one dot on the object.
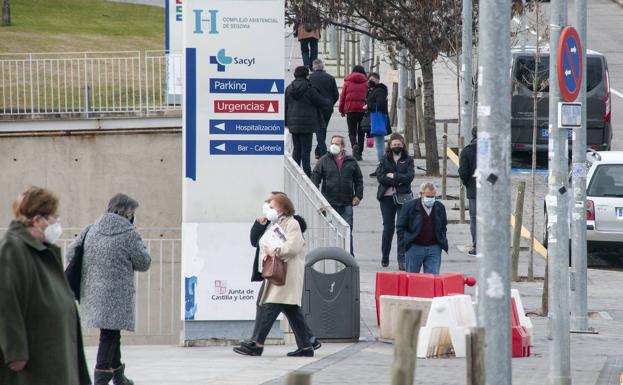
(299, 378)
(405, 347)
(517, 229)
(444, 171)
(476, 356)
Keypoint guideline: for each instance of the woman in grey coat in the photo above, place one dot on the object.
(113, 251)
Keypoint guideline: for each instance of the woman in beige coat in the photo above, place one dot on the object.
(287, 298)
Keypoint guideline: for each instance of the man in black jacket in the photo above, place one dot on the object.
(467, 167)
(424, 224)
(327, 87)
(342, 181)
(303, 105)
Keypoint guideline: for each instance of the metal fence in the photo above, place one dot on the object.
(325, 227)
(90, 84)
(158, 299)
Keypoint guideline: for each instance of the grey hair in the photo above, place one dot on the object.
(317, 64)
(122, 204)
(427, 186)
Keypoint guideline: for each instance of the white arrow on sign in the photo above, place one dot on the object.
(567, 72)
(274, 88)
(573, 49)
(220, 147)
(220, 126)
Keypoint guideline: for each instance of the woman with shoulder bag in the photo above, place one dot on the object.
(378, 114)
(281, 244)
(395, 173)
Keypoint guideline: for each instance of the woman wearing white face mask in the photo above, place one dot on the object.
(113, 251)
(40, 335)
(285, 298)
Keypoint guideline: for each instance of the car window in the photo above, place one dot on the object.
(524, 72)
(607, 180)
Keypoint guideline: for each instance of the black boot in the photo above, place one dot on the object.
(119, 377)
(102, 377)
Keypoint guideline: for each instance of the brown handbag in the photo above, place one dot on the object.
(274, 269)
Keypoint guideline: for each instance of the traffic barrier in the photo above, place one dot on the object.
(392, 305)
(418, 285)
(448, 320)
(524, 320)
(521, 338)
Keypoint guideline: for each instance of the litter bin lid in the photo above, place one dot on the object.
(330, 253)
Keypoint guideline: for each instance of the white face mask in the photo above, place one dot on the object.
(272, 215)
(335, 149)
(265, 208)
(53, 232)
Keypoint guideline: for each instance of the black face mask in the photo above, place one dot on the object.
(371, 83)
(132, 219)
(397, 150)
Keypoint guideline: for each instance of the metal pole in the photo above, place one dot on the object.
(365, 52)
(557, 221)
(493, 187)
(403, 78)
(466, 72)
(579, 310)
(522, 26)
(333, 45)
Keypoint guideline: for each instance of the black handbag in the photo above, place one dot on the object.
(73, 272)
(401, 199)
(365, 123)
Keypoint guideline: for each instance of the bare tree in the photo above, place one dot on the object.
(6, 13)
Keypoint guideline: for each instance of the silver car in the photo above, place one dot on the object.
(604, 201)
(604, 208)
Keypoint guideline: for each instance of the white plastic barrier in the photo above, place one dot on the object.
(448, 321)
(524, 320)
(392, 305)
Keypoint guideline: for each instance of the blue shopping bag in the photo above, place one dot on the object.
(378, 124)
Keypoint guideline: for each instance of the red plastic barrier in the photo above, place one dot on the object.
(418, 285)
(448, 284)
(521, 338)
(387, 283)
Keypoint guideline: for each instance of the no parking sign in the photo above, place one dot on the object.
(569, 64)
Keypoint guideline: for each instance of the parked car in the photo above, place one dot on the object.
(604, 203)
(598, 114)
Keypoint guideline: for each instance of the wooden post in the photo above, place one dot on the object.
(476, 356)
(338, 38)
(420, 110)
(461, 188)
(393, 113)
(299, 378)
(324, 41)
(521, 189)
(346, 53)
(405, 347)
(444, 171)
(409, 119)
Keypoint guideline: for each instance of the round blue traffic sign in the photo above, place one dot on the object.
(569, 64)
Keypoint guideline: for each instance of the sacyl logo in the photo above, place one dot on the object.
(208, 22)
(221, 60)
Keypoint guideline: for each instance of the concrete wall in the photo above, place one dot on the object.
(85, 169)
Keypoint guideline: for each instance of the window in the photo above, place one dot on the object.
(607, 181)
(524, 72)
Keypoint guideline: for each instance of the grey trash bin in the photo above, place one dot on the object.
(331, 301)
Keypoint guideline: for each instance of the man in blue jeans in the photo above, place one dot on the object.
(424, 224)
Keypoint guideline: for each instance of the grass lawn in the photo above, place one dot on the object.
(82, 25)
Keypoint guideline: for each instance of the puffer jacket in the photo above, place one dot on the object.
(403, 170)
(339, 187)
(303, 107)
(377, 99)
(354, 93)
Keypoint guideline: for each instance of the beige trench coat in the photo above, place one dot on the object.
(293, 253)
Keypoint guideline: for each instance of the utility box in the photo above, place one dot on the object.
(331, 299)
